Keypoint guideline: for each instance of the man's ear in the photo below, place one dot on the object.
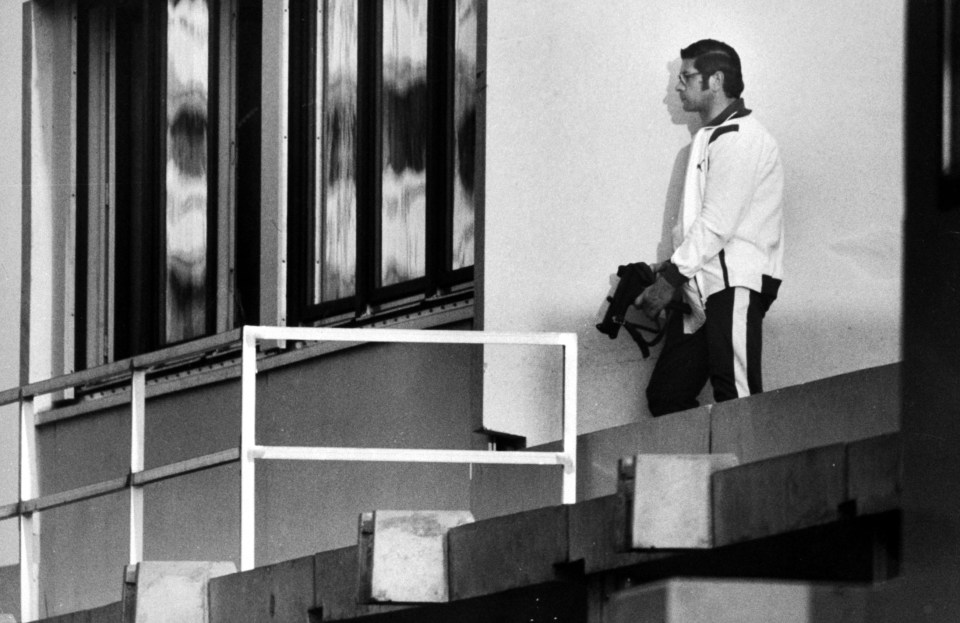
(719, 80)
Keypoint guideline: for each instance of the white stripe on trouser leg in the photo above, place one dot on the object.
(741, 303)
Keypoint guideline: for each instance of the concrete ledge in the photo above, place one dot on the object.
(839, 409)
(598, 535)
(728, 601)
(874, 474)
(111, 613)
(280, 592)
(545, 603)
(779, 495)
(336, 587)
(507, 552)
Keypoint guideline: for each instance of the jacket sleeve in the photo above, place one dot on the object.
(728, 190)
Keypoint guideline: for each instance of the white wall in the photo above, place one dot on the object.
(583, 136)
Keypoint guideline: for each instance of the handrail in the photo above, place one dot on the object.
(134, 370)
(250, 451)
(119, 370)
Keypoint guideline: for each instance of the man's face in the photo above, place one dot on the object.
(692, 96)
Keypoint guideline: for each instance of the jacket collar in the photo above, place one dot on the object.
(735, 110)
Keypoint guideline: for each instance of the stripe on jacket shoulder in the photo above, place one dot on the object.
(723, 130)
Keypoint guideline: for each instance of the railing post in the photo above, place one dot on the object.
(248, 430)
(29, 522)
(570, 419)
(138, 401)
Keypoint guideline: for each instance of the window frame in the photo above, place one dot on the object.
(440, 282)
(125, 313)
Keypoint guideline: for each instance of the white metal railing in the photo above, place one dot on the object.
(135, 370)
(250, 451)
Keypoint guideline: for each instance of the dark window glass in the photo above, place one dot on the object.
(335, 237)
(186, 179)
(382, 197)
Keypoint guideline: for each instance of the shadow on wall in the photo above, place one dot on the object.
(671, 204)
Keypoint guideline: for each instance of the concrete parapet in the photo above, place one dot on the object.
(727, 601)
(111, 613)
(598, 535)
(779, 495)
(839, 409)
(336, 587)
(507, 552)
(874, 474)
(403, 557)
(279, 592)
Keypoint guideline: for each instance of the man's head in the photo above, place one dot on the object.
(719, 84)
(708, 57)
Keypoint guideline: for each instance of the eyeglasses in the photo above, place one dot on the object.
(683, 77)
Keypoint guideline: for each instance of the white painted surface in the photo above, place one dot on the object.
(584, 150)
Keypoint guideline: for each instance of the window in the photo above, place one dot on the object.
(155, 261)
(382, 124)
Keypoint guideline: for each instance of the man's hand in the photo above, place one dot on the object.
(665, 288)
(654, 299)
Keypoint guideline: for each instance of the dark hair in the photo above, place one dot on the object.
(710, 56)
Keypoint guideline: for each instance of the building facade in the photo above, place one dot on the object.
(195, 166)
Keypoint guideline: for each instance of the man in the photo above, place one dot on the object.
(728, 247)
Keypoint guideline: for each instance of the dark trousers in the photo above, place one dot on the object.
(726, 350)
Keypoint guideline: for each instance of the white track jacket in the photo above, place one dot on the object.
(730, 228)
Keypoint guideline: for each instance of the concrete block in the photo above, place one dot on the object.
(502, 553)
(726, 601)
(779, 495)
(403, 555)
(175, 591)
(874, 474)
(279, 592)
(336, 587)
(839, 409)
(671, 499)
